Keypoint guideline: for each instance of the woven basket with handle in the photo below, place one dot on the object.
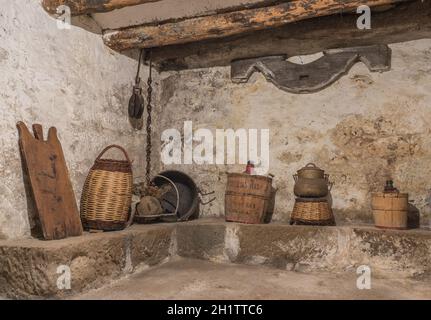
(107, 193)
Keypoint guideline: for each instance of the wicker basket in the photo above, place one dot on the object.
(107, 193)
(312, 212)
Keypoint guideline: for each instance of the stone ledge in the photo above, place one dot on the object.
(389, 253)
(28, 268)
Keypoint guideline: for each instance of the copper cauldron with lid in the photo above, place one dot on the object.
(311, 182)
(311, 171)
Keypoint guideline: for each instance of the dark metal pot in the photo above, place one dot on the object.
(311, 182)
(189, 194)
(311, 171)
(311, 188)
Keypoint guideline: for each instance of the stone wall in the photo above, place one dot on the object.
(363, 129)
(62, 78)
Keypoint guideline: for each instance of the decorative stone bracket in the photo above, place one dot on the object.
(316, 75)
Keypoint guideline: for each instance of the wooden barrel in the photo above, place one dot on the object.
(390, 210)
(249, 198)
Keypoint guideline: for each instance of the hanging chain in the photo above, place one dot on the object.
(149, 124)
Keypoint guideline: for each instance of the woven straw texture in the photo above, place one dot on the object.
(107, 194)
(313, 213)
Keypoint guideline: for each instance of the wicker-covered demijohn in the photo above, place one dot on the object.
(107, 193)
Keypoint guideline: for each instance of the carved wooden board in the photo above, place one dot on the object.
(315, 75)
(50, 183)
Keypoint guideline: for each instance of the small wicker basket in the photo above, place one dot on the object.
(107, 193)
(312, 212)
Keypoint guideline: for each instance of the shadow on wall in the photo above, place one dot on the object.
(413, 217)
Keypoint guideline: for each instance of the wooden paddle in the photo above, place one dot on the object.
(50, 183)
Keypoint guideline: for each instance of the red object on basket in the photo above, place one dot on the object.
(249, 169)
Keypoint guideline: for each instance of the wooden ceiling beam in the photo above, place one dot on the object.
(79, 7)
(230, 23)
(405, 22)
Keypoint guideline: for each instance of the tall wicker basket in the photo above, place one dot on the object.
(107, 193)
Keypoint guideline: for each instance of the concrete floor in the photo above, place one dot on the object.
(197, 279)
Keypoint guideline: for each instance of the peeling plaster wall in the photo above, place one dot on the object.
(361, 130)
(62, 78)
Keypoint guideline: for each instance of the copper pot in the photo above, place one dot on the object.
(311, 182)
(311, 171)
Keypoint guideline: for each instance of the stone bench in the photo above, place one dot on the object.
(28, 268)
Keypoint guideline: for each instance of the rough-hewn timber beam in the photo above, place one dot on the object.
(231, 23)
(78, 7)
(409, 21)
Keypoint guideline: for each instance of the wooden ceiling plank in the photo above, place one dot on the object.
(230, 23)
(79, 7)
(405, 22)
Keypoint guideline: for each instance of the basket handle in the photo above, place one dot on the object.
(114, 146)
